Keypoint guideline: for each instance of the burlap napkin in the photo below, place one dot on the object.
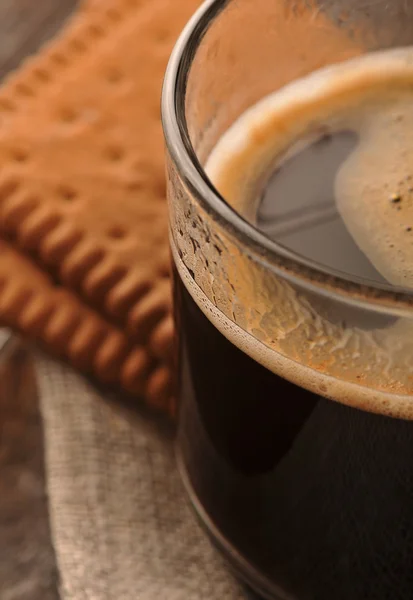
(121, 524)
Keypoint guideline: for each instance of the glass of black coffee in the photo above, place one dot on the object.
(289, 130)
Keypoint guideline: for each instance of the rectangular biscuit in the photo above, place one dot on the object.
(81, 139)
(82, 165)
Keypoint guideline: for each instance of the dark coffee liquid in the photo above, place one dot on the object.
(311, 499)
(316, 496)
(298, 208)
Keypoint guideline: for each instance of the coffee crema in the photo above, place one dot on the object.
(371, 96)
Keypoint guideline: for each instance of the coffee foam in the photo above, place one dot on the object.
(345, 392)
(372, 96)
(278, 326)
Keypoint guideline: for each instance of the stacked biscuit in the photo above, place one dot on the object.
(83, 227)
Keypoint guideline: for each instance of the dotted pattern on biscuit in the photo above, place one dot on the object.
(82, 165)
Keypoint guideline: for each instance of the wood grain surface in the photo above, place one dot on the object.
(27, 562)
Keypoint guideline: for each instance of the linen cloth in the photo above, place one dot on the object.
(121, 523)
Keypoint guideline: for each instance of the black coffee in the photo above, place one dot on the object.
(317, 496)
(310, 498)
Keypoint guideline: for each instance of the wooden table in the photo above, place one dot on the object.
(27, 561)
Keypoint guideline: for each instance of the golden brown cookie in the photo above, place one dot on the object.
(82, 169)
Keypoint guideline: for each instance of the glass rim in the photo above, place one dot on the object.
(287, 263)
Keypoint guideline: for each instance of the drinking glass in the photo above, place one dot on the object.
(295, 380)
